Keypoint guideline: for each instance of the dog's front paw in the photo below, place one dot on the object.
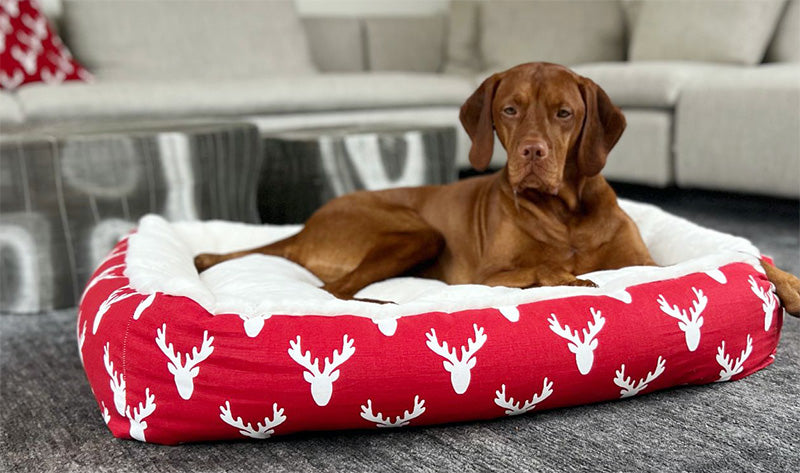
(582, 283)
(204, 261)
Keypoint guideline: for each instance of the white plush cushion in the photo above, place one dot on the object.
(10, 110)
(647, 83)
(733, 31)
(740, 132)
(160, 259)
(564, 32)
(405, 44)
(153, 99)
(785, 45)
(187, 38)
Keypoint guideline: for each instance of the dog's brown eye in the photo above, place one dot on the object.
(563, 113)
(510, 111)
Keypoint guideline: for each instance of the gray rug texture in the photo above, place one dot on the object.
(49, 421)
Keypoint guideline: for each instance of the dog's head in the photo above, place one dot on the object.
(548, 119)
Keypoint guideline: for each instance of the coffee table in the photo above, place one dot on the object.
(305, 168)
(67, 194)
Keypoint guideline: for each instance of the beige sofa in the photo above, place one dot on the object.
(711, 89)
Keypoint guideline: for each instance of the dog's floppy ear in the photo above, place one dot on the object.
(476, 117)
(602, 127)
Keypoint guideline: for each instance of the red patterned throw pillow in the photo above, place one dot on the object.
(29, 51)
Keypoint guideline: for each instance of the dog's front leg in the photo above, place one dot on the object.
(786, 285)
(532, 277)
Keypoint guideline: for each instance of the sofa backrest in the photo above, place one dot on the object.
(785, 46)
(486, 34)
(396, 43)
(142, 39)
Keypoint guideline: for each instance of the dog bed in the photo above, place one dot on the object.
(253, 347)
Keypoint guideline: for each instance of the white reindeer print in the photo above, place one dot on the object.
(626, 383)
(263, 431)
(515, 408)
(61, 62)
(27, 60)
(768, 300)
(730, 367)
(583, 348)
(459, 368)
(399, 421)
(10, 6)
(690, 324)
(5, 28)
(81, 340)
(253, 324)
(53, 77)
(13, 81)
(38, 25)
(117, 382)
(112, 272)
(184, 373)
(321, 381)
(138, 424)
(119, 295)
(106, 415)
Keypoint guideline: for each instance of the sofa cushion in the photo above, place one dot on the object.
(739, 131)
(175, 98)
(643, 154)
(785, 45)
(10, 110)
(733, 31)
(647, 83)
(405, 43)
(463, 51)
(30, 51)
(186, 39)
(336, 43)
(564, 32)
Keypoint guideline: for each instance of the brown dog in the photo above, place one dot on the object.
(545, 218)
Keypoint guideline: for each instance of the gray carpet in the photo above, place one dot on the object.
(49, 421)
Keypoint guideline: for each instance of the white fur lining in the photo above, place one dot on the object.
(160, 259)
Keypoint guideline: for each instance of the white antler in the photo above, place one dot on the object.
(768, 300)
(583, 348)
(13, 81)
(37, 26)
(321, 381)
(106, 415)
(81, 340)
(731, 368)
(399, 421)
(138, 424)
(513, 407)
(689, 323)
(184, 373)
(26, 60)
(459, 368)
(117, 382)
(263, 431)
(11, 6)
(119, 295)
(56, 76)
(112, 272)
(631, 389)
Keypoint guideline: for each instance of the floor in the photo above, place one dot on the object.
(49, 422)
